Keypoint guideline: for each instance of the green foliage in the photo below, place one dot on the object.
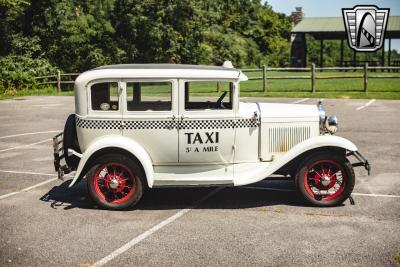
(38, 37)
(17, 72)
(77, 35)
(25, 62)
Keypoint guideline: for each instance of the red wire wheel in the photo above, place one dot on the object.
(325, 179)
(114, 182)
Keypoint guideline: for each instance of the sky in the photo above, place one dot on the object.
(326, 8)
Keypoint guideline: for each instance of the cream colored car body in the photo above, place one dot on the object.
(254, 139)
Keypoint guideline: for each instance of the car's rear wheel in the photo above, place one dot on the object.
(115, 182)
(325, 179)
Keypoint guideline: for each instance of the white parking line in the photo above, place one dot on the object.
(28, 188)
(24, 134)
(300, 101)
(366, 105)
(152, 230)
(27, 145)
(373, 195)
(48, 105)
(292, 190)
(31, 173)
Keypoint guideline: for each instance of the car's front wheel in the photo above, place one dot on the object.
(325, 179)
(114, 182)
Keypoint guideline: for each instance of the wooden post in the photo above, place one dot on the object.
(313, 77)
(366, 77)
(341, 53)
(321, 54)
(383, 54)
(390, 53)
(58, 81)
(264, 76)
(218, 87)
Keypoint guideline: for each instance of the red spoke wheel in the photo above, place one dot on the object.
(115, 182)
(325, 179)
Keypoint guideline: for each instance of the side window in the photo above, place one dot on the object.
(104, 96)
(208, 95)
(142, 96)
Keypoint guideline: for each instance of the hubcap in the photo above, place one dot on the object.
(114, 183)
(325, 180)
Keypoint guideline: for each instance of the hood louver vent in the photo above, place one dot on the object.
(282, 139)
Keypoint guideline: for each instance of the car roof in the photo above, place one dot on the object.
(162, 71)
(165, 67)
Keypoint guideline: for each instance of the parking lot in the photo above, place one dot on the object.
(45, 223)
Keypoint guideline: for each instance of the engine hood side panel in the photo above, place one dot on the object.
(276, 112)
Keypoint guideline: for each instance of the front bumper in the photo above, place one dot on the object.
(58, 152)
(361, 161)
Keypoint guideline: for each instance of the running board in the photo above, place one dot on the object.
(180, 183)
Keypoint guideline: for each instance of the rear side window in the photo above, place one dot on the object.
(143, 96)
(104, 96)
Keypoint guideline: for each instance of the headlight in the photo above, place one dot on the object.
(331, 124)
(326, 124)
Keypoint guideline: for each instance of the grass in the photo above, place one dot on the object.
(40, 91)
(378, 88)
(387, 88)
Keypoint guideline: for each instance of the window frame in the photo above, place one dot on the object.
(92, 111)
(146, 113)
(218, 112)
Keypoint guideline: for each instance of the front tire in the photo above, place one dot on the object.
(325, 179)
(115, 182)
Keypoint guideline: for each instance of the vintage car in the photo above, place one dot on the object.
(166, 125)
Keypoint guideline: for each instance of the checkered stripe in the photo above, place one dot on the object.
(206, 124)
(98, 124)
(140, 125)
(166, 124)
(246, 123)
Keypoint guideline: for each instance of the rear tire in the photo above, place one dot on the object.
(115, 182)
(325, 179)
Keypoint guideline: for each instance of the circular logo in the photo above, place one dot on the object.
(105, 106)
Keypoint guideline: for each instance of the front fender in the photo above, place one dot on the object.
(267, 169)
(113, 141)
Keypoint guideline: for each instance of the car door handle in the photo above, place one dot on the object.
(173, 122)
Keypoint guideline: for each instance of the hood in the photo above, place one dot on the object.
(276, 112)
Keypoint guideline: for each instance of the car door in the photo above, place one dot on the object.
(206, 125)
(149, 117)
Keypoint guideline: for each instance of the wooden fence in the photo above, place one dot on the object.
(57, 79)
(313, 76)
(365, 75)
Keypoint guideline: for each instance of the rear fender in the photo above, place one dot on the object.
(119, 142)
(328, 141)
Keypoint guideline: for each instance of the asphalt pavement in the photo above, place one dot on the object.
(44, 223)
